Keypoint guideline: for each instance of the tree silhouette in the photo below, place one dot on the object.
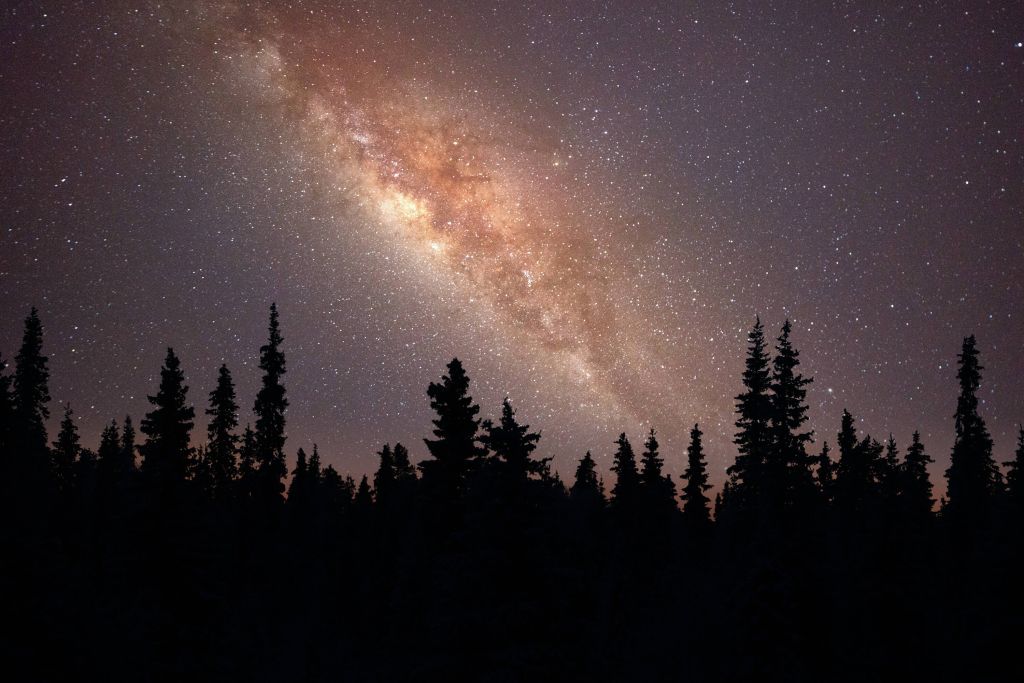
(1015, 473)
(587, 486)
(696, 510)
(114, 469)
(31, 392)
(128, 447)
(269, 409)
(66, 450)
(247, 482)
(168, 428)
(405, 473)
(384, 477)
(364, 496)
(454, 448)
(302, 493)
(656, 488)
(825, 473)
(221, 440)
(972, 475)
(313, 468)
(855, 472)
(395, 476)
(890, 474)
(627, 479)
(917, 487)
(788, 474)
(493, 569)
(754, 411)
(513, 444)
(109, 452)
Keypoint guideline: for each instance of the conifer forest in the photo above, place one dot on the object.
(161, 553)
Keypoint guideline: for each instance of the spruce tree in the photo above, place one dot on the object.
(109, 452)
(890, 472)
(627, 479)
(221, 440)
(916, 491)
(788, 471)
(168, 426)
(128, 447)
(299, 489)
(108, 455)
(313, 469)
(696, 510)
(385, 476)
(1015, 472)
(972, 475)
(754, 411)
(826, 473)
(269, 409)
(455, 449)
(657, 489)
(364, 496)
(587, 486)
(512, 444)
(66, 450)
(31, 393)
(405, 473)
(336, 494)
(854, 474)
(247, 465)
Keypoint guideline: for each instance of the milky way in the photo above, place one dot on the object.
(447, 188)
(588, 204)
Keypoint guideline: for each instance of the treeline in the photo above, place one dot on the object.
(149, 558)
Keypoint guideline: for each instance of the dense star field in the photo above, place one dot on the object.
(587, 203)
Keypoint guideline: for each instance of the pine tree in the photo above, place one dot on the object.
(364, 497)
(31, 393)
(270, 407)
(627, 479)
(695, 483)
(587, 486)
(513, 444)
(299, 489)
(128, 447)
(221, 440)
(66, 450)
(656, 488)
(1015, 473)
(166, 453)
(826, 473)
(385, 476)
(199, 471)
(916, 491)
(890, 476)
(313, 469)
(753, 438)
(854, 473)
(455, 449)
(336, 494)
(108, 455)
(405, 473)
(972, 475)
(788, 472)
(109, 452)
(247, 465)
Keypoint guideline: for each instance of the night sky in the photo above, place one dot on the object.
(588, 203)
